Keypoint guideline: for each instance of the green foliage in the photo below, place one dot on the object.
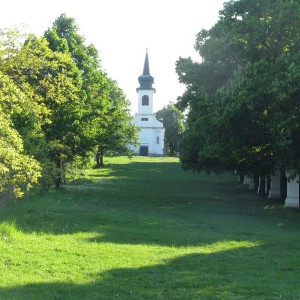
(173, 120)
(59, 106)
(17, 170)
(242, 99)
(118, 132)
(51, 129)
(106, 121)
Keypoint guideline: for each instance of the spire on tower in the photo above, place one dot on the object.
(146, 70)
(146, 80)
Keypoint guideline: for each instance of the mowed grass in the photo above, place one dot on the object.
(145, 229)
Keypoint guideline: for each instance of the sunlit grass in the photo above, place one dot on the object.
(145, 229)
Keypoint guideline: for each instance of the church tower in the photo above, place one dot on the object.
(151, 130)
(145, 90)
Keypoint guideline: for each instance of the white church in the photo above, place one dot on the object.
(152, 132)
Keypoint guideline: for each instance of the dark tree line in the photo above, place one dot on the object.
(57, 107)
(243, 98)
(174, 124)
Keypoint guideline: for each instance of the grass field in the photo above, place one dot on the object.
(145, 229)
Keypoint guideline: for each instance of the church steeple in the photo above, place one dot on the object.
(151, 135)
(146, 70)
(146, 80)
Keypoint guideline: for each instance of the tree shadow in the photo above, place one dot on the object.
(169, 221)
(99, 200)
(120, 212)
(192, 276)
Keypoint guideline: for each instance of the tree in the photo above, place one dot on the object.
(55, 82)
(239, 92)
(18, 171)
(106, 119)
(119, 132)
(173, 120)
(58, 102)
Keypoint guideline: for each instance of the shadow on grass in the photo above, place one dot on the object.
(149, 203)
(186, 209)
(193, 276)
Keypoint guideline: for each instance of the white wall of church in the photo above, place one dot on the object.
(151, 134)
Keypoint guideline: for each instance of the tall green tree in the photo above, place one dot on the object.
(54, 81)
(238, 97)
(119, 132)
(106, 120)
(18, 170)
(174, 124)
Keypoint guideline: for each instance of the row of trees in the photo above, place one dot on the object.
(57, 106)
(243, 97)
(174, 124)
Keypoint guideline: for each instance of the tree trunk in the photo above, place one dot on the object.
(262, 186)
(241, 178)
(256, 181)
(268, 185)
(99, 158)
(58, 178)
(283, 184)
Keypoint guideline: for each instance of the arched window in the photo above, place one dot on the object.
(145, 100)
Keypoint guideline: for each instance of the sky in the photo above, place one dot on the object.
(122, 30)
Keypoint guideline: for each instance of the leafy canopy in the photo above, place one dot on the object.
(242, 99)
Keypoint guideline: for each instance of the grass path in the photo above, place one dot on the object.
(145, 229)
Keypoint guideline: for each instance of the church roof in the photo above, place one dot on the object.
(146, 80)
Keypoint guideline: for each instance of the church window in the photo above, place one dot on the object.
(157, 140)
(144, 119)
(145, 100)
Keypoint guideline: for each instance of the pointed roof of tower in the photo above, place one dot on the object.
(146, 70)
(146, 80)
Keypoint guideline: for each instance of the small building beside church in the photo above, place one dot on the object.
(152, 132)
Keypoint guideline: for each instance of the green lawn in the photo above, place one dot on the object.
(145, 229)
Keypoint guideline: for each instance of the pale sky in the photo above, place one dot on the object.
(122, 30)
